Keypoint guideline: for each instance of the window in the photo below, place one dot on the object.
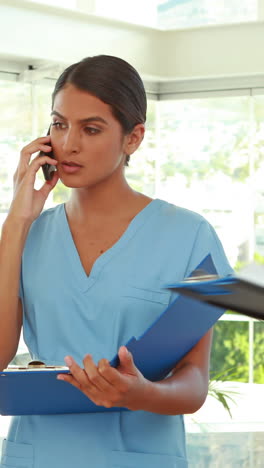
(191, 13)
(15, 131)
(165, 14)
(204, 164)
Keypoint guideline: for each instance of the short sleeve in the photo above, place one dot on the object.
(207, 242)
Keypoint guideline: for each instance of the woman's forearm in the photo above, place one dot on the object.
(12, 241)
(125, 386)
(183, 392)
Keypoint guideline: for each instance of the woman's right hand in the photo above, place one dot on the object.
(28, 202)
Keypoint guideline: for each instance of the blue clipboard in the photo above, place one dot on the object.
(155, 353)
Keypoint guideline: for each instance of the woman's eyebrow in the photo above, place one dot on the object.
(96, 118)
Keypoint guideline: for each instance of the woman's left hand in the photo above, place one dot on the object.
(106, 386)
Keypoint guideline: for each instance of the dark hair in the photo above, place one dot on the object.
(112, 80)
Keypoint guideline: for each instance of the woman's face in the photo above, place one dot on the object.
(87, 140)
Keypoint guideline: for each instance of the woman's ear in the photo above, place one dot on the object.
(133, 139)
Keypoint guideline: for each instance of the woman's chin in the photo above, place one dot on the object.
(72, 185)
(70, 182)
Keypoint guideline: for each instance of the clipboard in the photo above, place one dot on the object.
(155, 353)
(230, 292)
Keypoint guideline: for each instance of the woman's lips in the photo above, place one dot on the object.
(70, 168)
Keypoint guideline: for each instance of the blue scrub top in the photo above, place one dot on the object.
(67, 312)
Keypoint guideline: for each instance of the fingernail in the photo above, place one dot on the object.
(68, 361)
(60, 377)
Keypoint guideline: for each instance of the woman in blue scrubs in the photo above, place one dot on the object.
(88, 275)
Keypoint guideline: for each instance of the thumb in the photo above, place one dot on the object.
(126, 359)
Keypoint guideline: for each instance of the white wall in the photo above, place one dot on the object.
(213, 51)
(36, 34)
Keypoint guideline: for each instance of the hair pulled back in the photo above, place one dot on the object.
(112, 80)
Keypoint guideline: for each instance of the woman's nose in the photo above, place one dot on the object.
(72, 141)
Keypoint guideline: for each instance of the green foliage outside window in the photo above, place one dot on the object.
(230, 349)
(231, 346)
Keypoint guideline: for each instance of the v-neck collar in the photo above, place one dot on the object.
(86, 281)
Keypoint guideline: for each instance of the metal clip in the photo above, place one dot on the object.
(200, 275)
(36, 364)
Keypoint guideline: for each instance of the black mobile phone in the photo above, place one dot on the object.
(47, 169)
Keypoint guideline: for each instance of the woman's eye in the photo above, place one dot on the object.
(58, 125)
(91, 130)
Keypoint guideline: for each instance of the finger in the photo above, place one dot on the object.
(80, 380)
(54, 179)
(25, 157)
(49, 185)
(70, 379)
(29, 176)
(36, 164)
(40, 144)
(94, 375)
(96, 400)
(38, 141)
(30, 173)
(126, 361)
(112, 376)
(77, 372)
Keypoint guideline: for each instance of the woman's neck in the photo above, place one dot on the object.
(100, 204)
